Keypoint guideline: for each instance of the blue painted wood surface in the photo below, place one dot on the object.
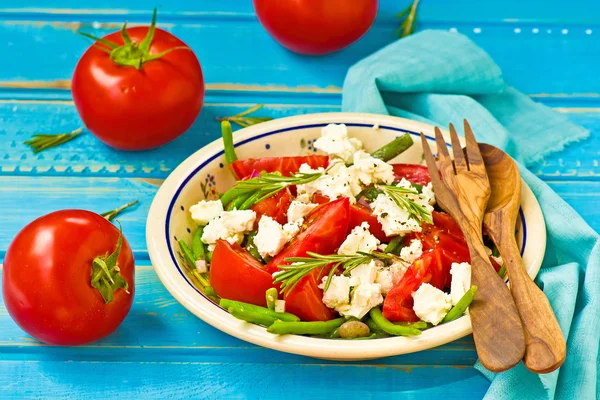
(548, 49)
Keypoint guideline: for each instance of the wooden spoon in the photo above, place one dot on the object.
(546, 348)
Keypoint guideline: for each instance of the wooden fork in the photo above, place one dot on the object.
(463, 192)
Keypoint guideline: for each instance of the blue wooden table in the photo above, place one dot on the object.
(547, 48)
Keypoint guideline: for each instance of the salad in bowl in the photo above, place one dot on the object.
(305, 234)
(339, 245)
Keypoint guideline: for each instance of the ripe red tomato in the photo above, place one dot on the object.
(286, 165)
(47, 278)
(236, 275)
(316, 27)
(323, 232)
(412, 172)
(138, 107)
(275, 206)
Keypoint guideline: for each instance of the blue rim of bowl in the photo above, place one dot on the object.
(262, 135)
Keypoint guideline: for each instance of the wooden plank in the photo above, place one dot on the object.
(207, 380)
(556, 38)
(159, 328)
(85, 156)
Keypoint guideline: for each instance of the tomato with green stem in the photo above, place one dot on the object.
(68, 278)
(139, 88)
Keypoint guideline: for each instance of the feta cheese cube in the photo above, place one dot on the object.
(431, 304)
(230, 226)
(393, 219)
(359, 239)
(201, 266)
(398, 269)
(337, 182)
(426, 198)
(412, 252)
(280, 306)
(365, 273)
(461, 280)
(364, 297)
(369, 170)
(298, 209)
(338, 292)
(334, 141)
(272, 236)
(206, 210)
(385, 280)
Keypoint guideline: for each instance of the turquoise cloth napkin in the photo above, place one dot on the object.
(440, 77)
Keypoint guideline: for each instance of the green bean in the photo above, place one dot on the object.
(251, 316)
(417, 325)
(227, 134)
(251, 247)
(250, 201)
(461, 305)
(209, 256)
(189, 257)
(209, 291)
(389, 327)
(287, 317)
(335, 334)
(271, 295)
(393, 148)
(198, 249)
(395, 242)
(502, 271)
(305, 328)
(373, 326)
(371, 336)
(238, 201)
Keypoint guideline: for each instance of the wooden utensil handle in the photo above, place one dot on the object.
(492, 308)
(546, 348)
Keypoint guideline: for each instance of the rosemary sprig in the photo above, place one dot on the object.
(242, 120)
(247, 193)
(40, 142)
(110, 215)
(290, 275)
(407, 27)
(399, 195)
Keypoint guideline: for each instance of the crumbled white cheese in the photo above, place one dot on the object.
(365, 273)
(426, 198)
(370, 170)
(205, 211)
(364, 298)
(334, 141)
(337, 182)
(298, 209)
(280, 306)
(393, 219)
(412, 252)
(230, 226)
(385, 279)
(338, 292)
(428, 195)
(431, 304)
(201, 266)
(359, 239)
(398, 269)
(461, 280)
(272, 236)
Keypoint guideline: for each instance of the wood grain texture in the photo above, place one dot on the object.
(546, 348)
(463, 191)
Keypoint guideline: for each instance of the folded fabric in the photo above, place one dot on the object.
(441, 77)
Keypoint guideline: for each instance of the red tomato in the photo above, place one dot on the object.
(275, 206)
(285, 165)
(316, 27)
(358, 214)
(236, 275)
(398, 303)
(137, 109)
(46, 279)
(412, 172)
(323, 231)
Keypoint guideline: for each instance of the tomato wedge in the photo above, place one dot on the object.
(285, 165)
(398, 303)
(359, 213)
(236, 275)
(275, 206)
(412, 172)
(323, 231)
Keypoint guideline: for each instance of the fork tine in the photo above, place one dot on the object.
(459, 156)
(472, 149)
(431, 167)
(442, 149)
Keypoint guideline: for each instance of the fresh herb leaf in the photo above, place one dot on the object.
(242, 120)
(407, 27)
(40, 142)
(110, 215)
(290, 275)
(400, 195)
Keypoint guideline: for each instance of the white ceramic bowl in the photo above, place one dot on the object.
(203, 175)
